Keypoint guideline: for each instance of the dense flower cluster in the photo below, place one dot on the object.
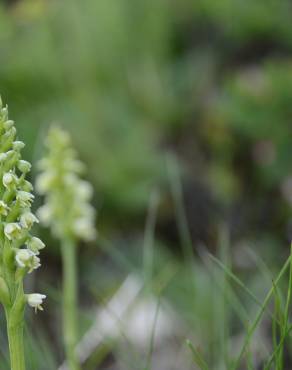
(67, 208)
(19, 249)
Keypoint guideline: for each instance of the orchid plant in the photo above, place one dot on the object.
(19, 249)
(67, 211)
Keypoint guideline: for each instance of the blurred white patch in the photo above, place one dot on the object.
(129, 314)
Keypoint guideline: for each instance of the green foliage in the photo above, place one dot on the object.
(132, 80)
(80, 63)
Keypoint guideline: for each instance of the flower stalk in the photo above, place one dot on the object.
(15, 340)
(70, 328)
(16, 222)
(70, 216)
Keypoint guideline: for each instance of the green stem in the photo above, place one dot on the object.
(70, 302)
(16, 349)
(13, 299)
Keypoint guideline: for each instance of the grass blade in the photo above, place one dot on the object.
(200, 362)
(259, 314)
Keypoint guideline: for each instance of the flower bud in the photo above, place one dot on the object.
(7, 139)
(3, 208)
(11, 160)
(27, 186)
(35, 300)
(13, 231)
(23, 166)
(18, 145)
(9, 180)
(35, 245)
(27, 220)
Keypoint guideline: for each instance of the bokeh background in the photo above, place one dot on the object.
(182, 112)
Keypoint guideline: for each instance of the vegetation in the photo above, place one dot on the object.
(181, 112)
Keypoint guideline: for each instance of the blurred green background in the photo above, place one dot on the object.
(189, 99)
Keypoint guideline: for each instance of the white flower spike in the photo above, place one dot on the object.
(67, 211)
(16, 222)
(67, 208)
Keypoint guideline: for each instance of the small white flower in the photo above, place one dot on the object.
(45, 214)
(35, 300)
(23, 166)
(27, 220)
(24, 197)
(26, 258)
(18, 145)
(13, 231)
(35, 245)
(84, 228)
(9, 180)
(3, 208)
